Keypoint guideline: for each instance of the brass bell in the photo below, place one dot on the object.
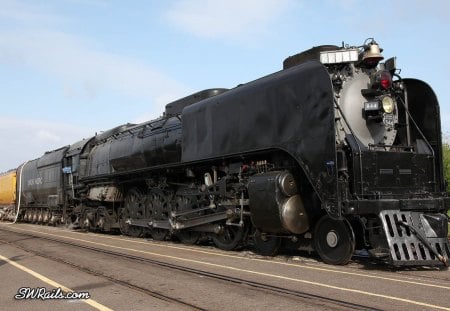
(372, 54)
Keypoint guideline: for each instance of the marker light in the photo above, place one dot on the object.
(385, 80)
(381, 80)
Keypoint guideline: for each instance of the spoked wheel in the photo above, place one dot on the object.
(46, 217)
(159, 209)
(334, 240)
(266, 245)
(35, 216)
(40, 216)
(229, 238)
(159, 234)
(132, 209)
(126, 228)
(188, 236)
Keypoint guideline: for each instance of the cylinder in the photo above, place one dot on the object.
(275, 205)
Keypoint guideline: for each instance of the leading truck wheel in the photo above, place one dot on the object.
(334, 240)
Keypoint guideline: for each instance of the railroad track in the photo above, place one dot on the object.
(133, 258)
(127, 284)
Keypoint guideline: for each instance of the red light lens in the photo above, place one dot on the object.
(385, 80)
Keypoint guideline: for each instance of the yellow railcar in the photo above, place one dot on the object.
(8, 188)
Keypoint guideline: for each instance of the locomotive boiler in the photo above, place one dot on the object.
(335, 152)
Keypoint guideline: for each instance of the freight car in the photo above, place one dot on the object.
(335, 152)
(8, 195)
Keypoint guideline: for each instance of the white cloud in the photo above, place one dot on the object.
(13, 10)
(84, 71)
(46, 136)
(30, 38)
(160, 101)
(29, 139)
(233, 19)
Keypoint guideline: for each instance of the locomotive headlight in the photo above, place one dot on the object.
(388, 104)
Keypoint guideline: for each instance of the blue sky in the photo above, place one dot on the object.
(70, 68)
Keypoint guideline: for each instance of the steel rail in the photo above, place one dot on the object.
(212, 275)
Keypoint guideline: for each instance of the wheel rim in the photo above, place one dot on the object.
(188, 237)
(334, 240)
(229, 238)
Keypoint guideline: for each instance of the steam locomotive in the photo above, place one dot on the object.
(335, 152)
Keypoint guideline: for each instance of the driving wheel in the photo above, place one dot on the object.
(133, 208)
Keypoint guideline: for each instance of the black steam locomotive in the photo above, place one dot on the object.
(334, 152)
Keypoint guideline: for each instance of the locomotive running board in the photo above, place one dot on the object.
(413, 240)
